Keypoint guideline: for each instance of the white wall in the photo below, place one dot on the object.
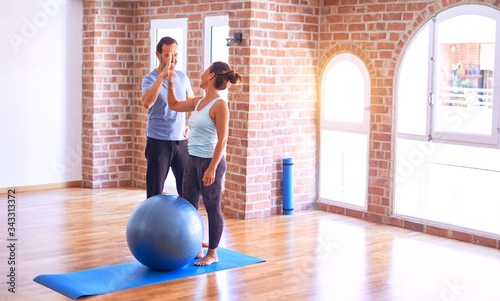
(41, 92)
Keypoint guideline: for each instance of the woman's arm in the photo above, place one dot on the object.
(180, 106)
(173, 102)
(221, 119)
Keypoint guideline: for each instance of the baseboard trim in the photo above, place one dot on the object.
(20, 189)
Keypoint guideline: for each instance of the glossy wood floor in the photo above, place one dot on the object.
(311, 255)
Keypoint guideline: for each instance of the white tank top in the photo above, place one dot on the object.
(203, 137)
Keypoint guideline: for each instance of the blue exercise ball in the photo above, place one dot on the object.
(165, 232)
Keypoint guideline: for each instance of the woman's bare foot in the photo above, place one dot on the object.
(210, 258)
(200, 254)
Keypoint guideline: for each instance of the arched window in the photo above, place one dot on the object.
(344, 131)
(447, 122)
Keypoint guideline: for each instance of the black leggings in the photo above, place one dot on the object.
(211, 195)
(161, 156)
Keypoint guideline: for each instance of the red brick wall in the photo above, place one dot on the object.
(108, 89)
(273, 114)
(278, 61)
(286, 45)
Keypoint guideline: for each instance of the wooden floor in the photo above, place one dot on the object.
(311, 255)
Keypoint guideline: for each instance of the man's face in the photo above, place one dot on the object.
(163, 56)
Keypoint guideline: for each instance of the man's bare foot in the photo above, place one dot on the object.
(210, 258)
(200, 254)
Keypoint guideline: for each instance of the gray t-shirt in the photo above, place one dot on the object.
(163, 123)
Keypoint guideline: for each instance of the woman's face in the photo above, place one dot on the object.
(206, 78)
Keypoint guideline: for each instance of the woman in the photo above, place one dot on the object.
(209, 122)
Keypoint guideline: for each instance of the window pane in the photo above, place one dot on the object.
(448, 183)
(343, 170)
(178, 35)
(343, 154)
(464, 78)
(444, 180)
(219, 49)
(215, 43)
(344, 86)
(412, 87)
(175, 28)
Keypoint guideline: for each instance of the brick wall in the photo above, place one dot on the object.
(273, 116)
(276, 101)
(286, 45)
(108, 89)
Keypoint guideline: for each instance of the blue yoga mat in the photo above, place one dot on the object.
(134, 274)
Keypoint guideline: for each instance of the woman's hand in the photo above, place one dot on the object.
(209, 177)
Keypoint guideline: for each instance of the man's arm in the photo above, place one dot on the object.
(149, 97)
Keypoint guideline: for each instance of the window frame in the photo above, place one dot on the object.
(178, 23)
(345, 127)
(212, 21)
(491, 140)
(412, 164)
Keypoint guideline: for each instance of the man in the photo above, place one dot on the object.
(167, 134)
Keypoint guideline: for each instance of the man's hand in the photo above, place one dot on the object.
(166, 66)
(170, 67)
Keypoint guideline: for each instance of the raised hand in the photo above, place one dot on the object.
(170, 67)
(166, 66)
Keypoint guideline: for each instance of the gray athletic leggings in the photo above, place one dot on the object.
(192, 189)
